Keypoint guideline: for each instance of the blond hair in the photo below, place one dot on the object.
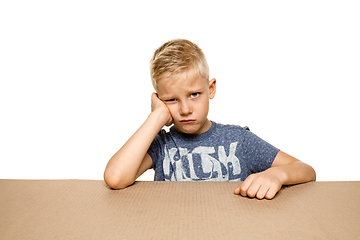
(175, 57)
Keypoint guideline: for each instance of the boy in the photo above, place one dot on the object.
(196, 148)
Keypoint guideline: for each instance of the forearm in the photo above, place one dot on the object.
(294, 173)
(123, 166)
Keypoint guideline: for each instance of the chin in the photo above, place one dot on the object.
(188, 130)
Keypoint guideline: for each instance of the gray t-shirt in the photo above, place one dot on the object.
(223, 153)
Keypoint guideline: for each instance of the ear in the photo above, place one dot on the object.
(212, 88)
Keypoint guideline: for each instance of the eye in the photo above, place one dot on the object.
(170, 100)
(194, 95)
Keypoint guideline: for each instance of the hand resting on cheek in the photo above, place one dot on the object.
(158, 105)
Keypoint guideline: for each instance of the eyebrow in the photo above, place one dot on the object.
(196, 90)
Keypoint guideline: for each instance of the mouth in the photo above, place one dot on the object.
(187, 121)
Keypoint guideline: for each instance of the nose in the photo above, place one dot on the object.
(185, 108)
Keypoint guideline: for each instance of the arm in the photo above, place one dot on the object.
(132, 159)
(285, 170)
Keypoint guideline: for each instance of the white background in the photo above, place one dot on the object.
(75, 80)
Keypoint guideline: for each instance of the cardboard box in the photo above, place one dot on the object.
(82, 209)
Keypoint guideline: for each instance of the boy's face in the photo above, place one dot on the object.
(187, 98)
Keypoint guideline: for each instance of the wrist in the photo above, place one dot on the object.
(160, 117)
(279, 174)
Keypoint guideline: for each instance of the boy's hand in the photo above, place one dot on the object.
(285, 170)
(159, 106)
(264, 184)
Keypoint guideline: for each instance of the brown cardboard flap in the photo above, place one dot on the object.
(84, 209)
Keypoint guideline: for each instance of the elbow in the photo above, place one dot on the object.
(310, 173)
(115, 181)
(313, 174)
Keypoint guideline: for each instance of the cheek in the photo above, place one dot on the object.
(202, 108)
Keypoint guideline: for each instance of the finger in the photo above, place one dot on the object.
(263, 190)
(243, 189)
(244, 186)
(237, 190)
(154, 98)
(271, 192)
(253, 189)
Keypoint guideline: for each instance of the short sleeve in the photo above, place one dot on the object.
(156, 151)
(258, 154)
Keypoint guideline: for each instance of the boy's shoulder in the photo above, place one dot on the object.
(229, 127)
(229, 132)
